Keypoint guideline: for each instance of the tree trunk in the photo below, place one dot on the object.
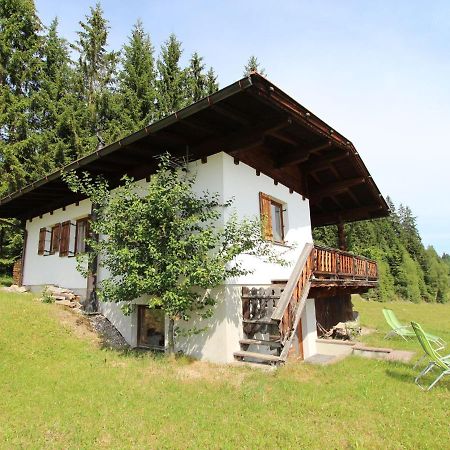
(171, 347)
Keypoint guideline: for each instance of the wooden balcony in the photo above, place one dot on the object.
(342, 271)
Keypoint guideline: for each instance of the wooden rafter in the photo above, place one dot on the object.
(300, 154)
(335, 188)
(360, 213)
(325, 161)
(242, 140)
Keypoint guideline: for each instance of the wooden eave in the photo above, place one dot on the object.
(253, 121)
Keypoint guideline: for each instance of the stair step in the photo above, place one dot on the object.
(260, 356)
(261, 321)
(260, 342)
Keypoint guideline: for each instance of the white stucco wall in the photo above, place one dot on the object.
(40, 270)
(220, 175)
(309, 329)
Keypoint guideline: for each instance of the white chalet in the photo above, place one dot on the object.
(253, 142)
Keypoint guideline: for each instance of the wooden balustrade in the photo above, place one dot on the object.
(333, 263)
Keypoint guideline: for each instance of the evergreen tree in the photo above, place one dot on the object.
(211, 82)
(137, 80)
(196, 79)
(58, 104)
(20, 73)
(96, 71)
(253, 65)
(171, 81)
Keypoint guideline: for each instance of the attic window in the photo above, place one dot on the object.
(272, 212)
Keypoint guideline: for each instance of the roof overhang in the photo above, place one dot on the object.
(254, 122)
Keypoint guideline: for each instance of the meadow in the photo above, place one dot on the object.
(60, 389)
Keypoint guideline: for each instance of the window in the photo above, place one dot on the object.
(55, 238)
(272, 217)
(151, 328)
(82, 230)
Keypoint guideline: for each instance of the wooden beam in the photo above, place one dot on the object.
(231, 113)
(335, 187)
(300, 155)
(352, 214)
(325, 162)
(242, 140)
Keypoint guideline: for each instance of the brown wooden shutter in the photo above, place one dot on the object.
(64, 240)
(56, 236)
(266, 217)
(41, 245)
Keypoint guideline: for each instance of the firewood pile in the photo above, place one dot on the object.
(15, 288)
(60, 296)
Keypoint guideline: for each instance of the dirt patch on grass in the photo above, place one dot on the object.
(76, 323)
(203, 371)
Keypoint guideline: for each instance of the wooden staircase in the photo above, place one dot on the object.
(271, 315)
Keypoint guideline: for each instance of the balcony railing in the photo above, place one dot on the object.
(330, 263)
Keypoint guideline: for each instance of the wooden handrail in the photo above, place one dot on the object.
(292, 282)
(293, 299)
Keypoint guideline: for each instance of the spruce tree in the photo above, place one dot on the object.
(211, 82)
(253, 65)
(58, 104)
(96, 71)
(20, 73)
(196, 79)
(171, 81)
(137, 80)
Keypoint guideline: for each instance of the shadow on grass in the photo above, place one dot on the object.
(407, 374)
(144, 353)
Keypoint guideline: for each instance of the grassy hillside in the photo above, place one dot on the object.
(58, 389)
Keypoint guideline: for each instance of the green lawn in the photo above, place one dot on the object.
(58, 389)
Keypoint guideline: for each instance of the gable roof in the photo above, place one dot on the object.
(253, 121)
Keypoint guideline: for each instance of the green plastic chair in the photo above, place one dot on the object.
(442, 363)
(405, 331)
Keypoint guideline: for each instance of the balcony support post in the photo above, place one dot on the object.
(342, 239)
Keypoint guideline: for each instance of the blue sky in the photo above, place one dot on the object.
(377, 71)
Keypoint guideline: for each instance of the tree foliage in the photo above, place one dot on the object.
(167, 243)
(60, 100)
(253, 65)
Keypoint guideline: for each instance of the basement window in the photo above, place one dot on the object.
(151, 328)
(272, 216)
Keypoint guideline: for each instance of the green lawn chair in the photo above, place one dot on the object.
(442, 363)
(405, 331)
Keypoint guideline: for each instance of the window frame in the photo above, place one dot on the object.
(281, 214)
(266, 201)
